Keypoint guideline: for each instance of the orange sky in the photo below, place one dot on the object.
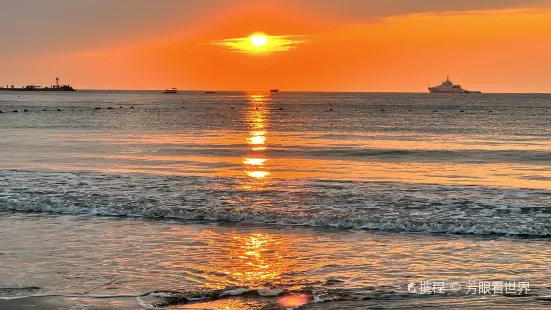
(501, 48)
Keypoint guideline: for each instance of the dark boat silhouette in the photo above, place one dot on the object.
(171, 91)
(275, 90)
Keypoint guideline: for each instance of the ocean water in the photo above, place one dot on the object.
(234, 200)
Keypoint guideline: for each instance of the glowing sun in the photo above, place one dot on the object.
(258, 40)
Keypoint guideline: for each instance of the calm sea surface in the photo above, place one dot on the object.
(236, 200)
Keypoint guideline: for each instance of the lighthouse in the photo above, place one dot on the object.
(56, 82)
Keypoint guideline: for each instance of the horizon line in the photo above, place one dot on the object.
(297, 91)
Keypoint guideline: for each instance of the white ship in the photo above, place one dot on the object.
(448, 87)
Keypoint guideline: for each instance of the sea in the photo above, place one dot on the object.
(289, 200)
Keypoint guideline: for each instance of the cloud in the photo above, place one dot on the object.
(274, 44)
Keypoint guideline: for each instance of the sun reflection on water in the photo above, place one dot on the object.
(256, 117)
(258, 259)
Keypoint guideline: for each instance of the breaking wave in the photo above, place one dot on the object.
(351, 205)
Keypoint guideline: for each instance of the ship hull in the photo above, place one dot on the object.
(436, 91)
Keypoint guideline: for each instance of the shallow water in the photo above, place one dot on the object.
(71, 256)
(351, 185)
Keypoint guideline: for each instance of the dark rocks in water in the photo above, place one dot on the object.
(330, 109)
(58, 110)
(109, 108)
(15, 111)
(281, 109)
(25, 110)
(132, 107)
(233, 108)
(120, 107)
(462, 111)
(1, 112)
(97, 108)
(409, 110)
(490, 111)
(257, 108)
(383, 110)
(435, 111)
(44, 110)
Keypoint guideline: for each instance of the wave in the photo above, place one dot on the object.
(290, 297)
(319, 203)
(356, 153)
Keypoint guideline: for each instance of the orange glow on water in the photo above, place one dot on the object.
(293, 301)
(255, 161)
(257, 118)
(256, 140)
(258, 174)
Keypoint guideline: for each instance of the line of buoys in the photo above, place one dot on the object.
(208, 108)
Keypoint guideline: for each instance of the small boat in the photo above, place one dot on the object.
(210, 92)
(171, 91)
(274, 90)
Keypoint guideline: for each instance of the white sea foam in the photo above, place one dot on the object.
(352, 205)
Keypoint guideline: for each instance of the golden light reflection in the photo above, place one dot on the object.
(258, 174)
(258, 259)
(256, 140)
(255, 161)
(258, 98)
(255, 166)
(259, 43)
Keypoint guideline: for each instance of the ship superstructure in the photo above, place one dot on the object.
(448, 87)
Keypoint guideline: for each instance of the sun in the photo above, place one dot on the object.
(258, 39)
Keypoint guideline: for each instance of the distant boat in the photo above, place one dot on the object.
(447, 87)
(171, 91)
(210, 92)
(274, 90)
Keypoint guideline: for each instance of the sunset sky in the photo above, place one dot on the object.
(324, 45)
